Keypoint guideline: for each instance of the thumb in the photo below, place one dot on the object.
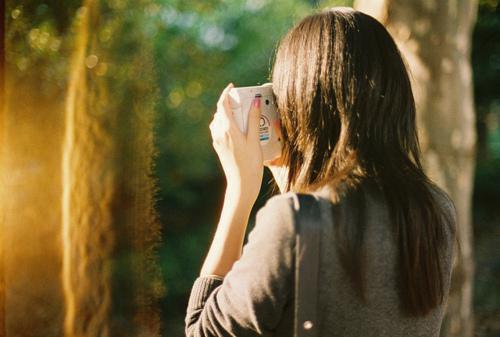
(254, 120)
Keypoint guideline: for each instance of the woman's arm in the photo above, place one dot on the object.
(243, 296)
(228, 239)
(251, 299)
(241, 159)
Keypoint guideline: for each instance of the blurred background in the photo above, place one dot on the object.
(111, 188)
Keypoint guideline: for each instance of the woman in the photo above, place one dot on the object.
(350, 140)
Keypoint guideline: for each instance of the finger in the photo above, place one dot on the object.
(215, 123)
(215, 132)
(224, 105)
(223, 122)
(254, 120)
(219, 128)
(222, 97)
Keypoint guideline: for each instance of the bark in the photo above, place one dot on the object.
(109, 226)
(435, 39)
(87, 179)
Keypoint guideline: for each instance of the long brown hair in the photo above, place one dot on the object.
(348, 116)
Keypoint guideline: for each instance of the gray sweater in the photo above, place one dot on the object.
(256, 296)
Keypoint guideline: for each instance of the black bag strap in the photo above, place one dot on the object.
(308, 226)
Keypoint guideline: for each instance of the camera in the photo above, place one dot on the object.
(269, 125)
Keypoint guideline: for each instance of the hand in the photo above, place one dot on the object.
(240, 155)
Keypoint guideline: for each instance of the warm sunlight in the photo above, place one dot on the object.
(155, 154)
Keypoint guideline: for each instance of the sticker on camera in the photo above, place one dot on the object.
(264, 129)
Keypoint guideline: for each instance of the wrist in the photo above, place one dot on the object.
(240, 196)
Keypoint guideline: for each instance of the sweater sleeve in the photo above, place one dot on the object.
(250, 299)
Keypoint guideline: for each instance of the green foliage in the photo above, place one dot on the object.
(200, 47)
(36, 43)
(486, 69)
(485, 58)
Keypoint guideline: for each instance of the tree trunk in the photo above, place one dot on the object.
(87, 179)
(109, 226)
(434, 38)
(76, 174)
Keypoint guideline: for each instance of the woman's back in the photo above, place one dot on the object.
(341, 310)
(256, 298)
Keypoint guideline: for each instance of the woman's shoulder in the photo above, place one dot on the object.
(287, 200)
(287, 204)
(277, 215)
(279, 207)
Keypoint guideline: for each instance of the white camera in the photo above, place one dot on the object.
(270, 125)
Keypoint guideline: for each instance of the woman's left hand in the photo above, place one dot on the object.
(239, 154)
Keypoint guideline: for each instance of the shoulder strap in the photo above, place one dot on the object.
(307, 222)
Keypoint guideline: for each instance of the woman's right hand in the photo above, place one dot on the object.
(239, 154)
